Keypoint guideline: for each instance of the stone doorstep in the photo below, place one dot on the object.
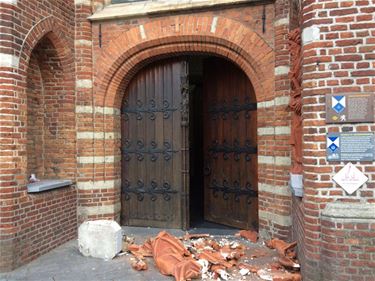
(45, 185)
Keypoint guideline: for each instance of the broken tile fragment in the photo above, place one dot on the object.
(249, 235)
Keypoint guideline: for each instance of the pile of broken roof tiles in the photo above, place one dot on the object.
(205, 257)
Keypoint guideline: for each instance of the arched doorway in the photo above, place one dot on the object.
(189, 145)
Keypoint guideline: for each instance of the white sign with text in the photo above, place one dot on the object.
(350, 178)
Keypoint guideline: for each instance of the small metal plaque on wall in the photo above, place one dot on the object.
(350, 147)
(349, 108)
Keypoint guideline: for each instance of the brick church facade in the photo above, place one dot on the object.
(65, 66)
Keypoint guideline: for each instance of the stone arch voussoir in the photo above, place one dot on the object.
(50, 28)
(157, 39)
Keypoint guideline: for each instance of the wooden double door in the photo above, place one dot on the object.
(157, 151)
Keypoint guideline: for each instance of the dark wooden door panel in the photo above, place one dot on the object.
(152, 140)
(230, 146)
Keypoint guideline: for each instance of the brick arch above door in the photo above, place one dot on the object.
(187, 34)
(124, 56)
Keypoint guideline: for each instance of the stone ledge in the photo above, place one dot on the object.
(45, 185)
(148, 8)
(349, 210)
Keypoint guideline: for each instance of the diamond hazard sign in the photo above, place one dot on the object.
(350, 178)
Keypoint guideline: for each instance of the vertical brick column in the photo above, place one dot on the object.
(11, 146)
(338, 51)
(273, 137)
(98, 188)
(84, 102)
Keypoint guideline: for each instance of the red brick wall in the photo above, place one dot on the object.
(277, 145)
(26, 219)
(347, 248)
(121, 53)
(47, 220)
(339, 59)
(35, 119)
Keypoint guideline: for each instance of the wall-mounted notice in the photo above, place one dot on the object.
(350, 178)
(350, 147)
(349, 108)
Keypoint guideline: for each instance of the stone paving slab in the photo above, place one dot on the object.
(65, 263)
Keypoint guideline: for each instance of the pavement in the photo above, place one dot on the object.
(65, 263)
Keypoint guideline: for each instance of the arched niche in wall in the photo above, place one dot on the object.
(50, 129)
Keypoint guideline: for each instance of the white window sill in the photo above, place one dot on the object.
(45, 185)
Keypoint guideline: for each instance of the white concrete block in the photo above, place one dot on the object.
(97, 185)
(282, 130)
(82, 2)
(84, 84)
(282, 70)
(98, 110)
(100, 239)
(11, 2)
(283, 21)
(270, 160)
(81, 42)
(278, 101)
(142, 31)
(99, 135)
(266, 104)
(266, 131)
(282, 101)
(274, 189)
(98, 159)
(282, 161)
(213, 25)
(310, 34)
(296, 180)
(296, 183)
(7, 60)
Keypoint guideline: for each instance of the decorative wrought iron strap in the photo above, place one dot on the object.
(223, 109)
(140, 150)
(153, 190)
(236, 149)
(150, 108)
(234, 189)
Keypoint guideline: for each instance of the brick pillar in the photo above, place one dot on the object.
(338, 57)
(11, 146)
(273, 136)
(98, 187)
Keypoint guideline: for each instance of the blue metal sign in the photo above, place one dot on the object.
(350, 147)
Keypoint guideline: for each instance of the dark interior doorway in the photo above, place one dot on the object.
(196, 141)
